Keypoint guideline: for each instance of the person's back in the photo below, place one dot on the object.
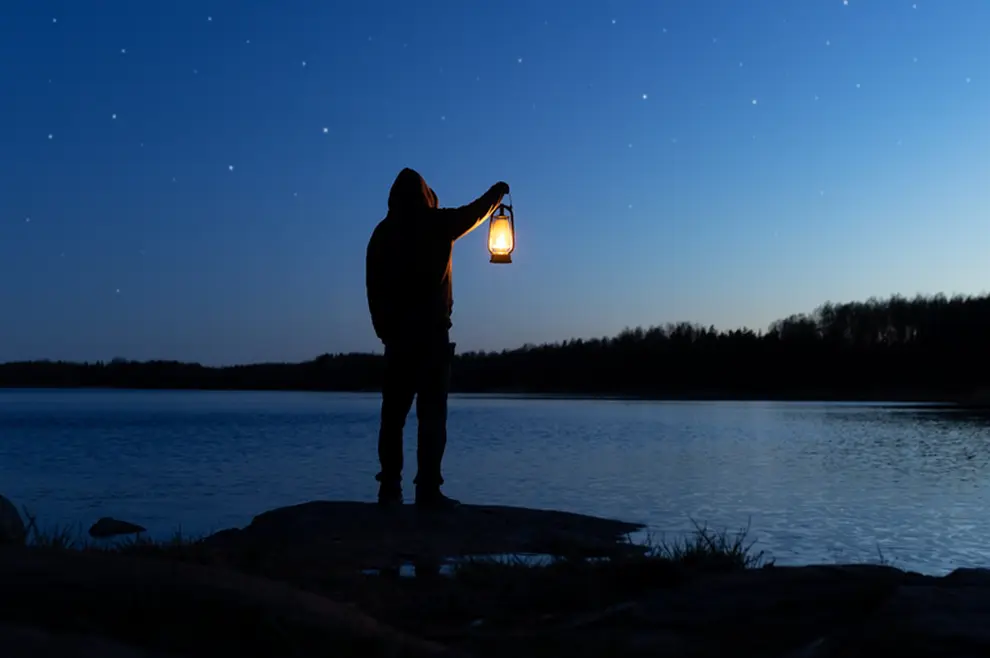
(406, 265)
(408, 279)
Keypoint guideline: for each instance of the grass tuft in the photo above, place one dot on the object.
(73, 538)
(61, 537)
(708, 550)
(522, 588)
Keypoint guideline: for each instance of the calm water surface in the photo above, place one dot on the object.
(816, 482)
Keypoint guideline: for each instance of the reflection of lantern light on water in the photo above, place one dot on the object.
(501, 234)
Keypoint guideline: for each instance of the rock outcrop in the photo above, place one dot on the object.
(186, 609)
(358, 536)
(835, 611)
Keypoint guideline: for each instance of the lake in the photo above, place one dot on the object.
(816, 482)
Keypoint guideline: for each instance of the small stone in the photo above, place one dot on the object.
(109, 527)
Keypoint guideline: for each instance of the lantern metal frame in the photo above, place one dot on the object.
(506, 257)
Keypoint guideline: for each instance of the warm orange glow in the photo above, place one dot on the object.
(500, 238)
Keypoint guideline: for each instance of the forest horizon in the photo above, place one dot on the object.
(921, 348)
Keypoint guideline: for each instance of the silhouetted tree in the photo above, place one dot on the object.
(926, 347)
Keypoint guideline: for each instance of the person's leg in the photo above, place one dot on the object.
(398, 391)
(431, 414)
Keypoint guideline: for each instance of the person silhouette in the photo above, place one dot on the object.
(408, 281)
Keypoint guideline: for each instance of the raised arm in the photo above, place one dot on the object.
(458, 222)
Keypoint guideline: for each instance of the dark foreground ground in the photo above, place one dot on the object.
(329, 579)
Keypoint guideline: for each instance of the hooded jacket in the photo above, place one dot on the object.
(408, 263)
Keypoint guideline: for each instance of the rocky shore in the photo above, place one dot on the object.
(323, 579)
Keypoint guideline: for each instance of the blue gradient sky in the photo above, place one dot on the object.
(723, 162)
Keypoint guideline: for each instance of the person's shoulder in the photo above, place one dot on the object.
(384, 225)
(434, 223)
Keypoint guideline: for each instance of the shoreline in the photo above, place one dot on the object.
(296, 580)
(908, 398)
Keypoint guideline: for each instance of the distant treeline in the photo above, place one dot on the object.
(923, 348)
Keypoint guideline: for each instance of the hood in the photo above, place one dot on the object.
(410, 192)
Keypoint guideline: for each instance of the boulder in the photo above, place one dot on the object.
(12, 530)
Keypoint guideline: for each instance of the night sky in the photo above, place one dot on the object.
(198, 180)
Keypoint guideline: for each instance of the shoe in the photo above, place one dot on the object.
(434, 499)
(390, 494)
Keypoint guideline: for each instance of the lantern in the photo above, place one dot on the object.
(501, 234)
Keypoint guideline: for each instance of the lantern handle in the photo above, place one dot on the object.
(507, 206)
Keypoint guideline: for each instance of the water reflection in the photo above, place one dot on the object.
(815, 482)
(911, 479)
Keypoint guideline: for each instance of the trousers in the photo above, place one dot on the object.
(415, 369)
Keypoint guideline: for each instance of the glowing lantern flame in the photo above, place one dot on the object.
(501, 235)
